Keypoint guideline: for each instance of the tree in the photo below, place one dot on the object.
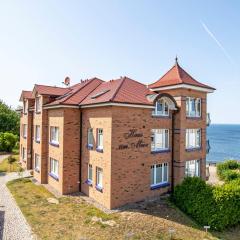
(7, 141)
(9, 119)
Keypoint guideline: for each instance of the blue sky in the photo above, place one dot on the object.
(44, 41)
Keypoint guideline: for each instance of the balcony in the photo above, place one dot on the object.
(208, 146)
(208, 120)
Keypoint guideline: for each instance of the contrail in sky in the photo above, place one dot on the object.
(217, 42)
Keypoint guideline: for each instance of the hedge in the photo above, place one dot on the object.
(218, 207)
(228, 170)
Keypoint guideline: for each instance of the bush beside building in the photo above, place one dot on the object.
(216, 206)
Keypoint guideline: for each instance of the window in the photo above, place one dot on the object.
(24, 153)
(100, 139)
(193, 107)
(90, 137)
(54, 135)
(161, 108)
(24, 130)
(159, 139)
(37, 162)
(38, 105)
(192, 168)
(159, 174)
(99, 178)
(54, 168)
(25, 107)
(193, 138)
(37, 133)
(89, 173)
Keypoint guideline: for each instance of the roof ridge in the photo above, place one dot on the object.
(91, 91)
(163, 75)
(117, 90)
(178, 72)
(50, 86)
(80, 88)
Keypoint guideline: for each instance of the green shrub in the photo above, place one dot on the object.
(227, 170)
(218, 207)
(7, 141)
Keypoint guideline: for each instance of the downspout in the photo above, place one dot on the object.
(80, 151)
(172, 180)
(31, 144)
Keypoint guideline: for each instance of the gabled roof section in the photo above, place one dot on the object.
(77, 93)
(49, 90)
(123, 90)
(175, 76)
(26, 95)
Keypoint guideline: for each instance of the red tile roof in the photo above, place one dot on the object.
(78, 92)
(26, 95)
(50, 90)
(177, 75)
(123, 90)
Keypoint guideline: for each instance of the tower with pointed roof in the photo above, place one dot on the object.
(189, 94)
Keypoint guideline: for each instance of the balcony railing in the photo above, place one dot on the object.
(208, 119)
(208, 146)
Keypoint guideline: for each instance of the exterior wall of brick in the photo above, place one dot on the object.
(56, 119)
(182, 122)
(131, 167)
(41, 148)
(71, 150)
(26, 142)
(97, 118)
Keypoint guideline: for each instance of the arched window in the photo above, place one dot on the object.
(161, 108)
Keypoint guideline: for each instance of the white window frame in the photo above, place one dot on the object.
(54, 169)
(90, 173)
(38, 105)
(99, 178)
(99, 133)
(165, 142)
(165, 108)
(37, 133)
(163, 166)
(193, 138)
(25, 106)
(24, 130)
(24, 153)
(193, 107)
(37, 162)
(90, 137)
(192, 168)
(54, 135)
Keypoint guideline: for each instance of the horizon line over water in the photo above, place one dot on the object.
(224, 141)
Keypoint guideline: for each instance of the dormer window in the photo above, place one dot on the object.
(38, 105)
(161, 108)
(193, 107)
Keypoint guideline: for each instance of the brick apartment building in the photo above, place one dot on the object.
(118, 141)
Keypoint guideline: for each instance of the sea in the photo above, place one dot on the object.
(224, 142)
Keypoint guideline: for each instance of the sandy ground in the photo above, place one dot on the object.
(213, 178)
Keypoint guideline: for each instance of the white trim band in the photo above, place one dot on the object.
(117, 104)
(202, 89)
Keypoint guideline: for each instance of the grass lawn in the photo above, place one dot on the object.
(72, 218)
(6, 167)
